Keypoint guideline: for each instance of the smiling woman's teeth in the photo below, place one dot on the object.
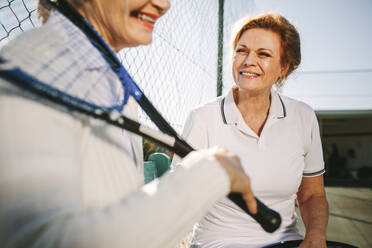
(249, 74)
(145, 18)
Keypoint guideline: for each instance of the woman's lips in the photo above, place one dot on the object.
(146, 19)
(249, 75)
(144, 23)
(152, 15)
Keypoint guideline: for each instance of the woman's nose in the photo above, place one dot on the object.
(162, 5)
(250, 59)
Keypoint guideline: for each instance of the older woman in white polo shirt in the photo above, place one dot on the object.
(276, 137)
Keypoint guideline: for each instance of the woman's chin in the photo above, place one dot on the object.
(254, 89)
(146, 41)
(249, 86)
(141, 36)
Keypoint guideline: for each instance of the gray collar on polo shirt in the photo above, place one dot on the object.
(232, 116)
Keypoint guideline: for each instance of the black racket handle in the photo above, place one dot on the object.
(269, 219)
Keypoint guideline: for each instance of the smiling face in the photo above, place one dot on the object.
(143, 15)
(256, 65)
(125, 23)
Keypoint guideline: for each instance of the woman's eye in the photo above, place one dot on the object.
(264, 55)
(241, 51)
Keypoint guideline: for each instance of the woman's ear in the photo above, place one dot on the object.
(283, 75)
(284, 71)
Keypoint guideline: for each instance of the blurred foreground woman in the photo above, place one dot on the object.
(68, 180)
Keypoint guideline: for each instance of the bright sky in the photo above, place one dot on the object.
(336, 39)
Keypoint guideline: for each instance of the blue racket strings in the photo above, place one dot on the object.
(79, 72)
(131, 88)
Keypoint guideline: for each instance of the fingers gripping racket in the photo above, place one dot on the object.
(268, 219)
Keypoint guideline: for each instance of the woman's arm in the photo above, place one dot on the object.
(41, 196)
(195, 133)
(41, 181)
(313, 205)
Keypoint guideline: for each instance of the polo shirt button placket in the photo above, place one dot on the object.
(261, 146)
(261, 143)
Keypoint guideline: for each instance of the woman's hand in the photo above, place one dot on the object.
(314, 240)
(239, 181)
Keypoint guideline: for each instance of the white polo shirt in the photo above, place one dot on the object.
(288, 149)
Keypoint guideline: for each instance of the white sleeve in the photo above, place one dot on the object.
(314, 164)
(40, 189)
(195, 133)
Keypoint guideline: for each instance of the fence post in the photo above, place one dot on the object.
(220, 47)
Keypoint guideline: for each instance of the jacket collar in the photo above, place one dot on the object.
(78, 42)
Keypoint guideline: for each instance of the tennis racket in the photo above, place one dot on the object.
(58, 91)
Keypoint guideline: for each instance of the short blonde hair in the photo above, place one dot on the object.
(290, 54)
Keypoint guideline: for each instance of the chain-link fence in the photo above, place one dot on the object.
(178, 71)
(16, 16)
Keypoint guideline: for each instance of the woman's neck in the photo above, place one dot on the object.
(252, 104)
(95, 19)
(254, 108)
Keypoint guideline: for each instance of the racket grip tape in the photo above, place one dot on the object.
(269, 219)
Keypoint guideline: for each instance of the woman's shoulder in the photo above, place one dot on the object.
(297, 107)
(41, 49)
(30, 47)
(34, 38)
(208, 109)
